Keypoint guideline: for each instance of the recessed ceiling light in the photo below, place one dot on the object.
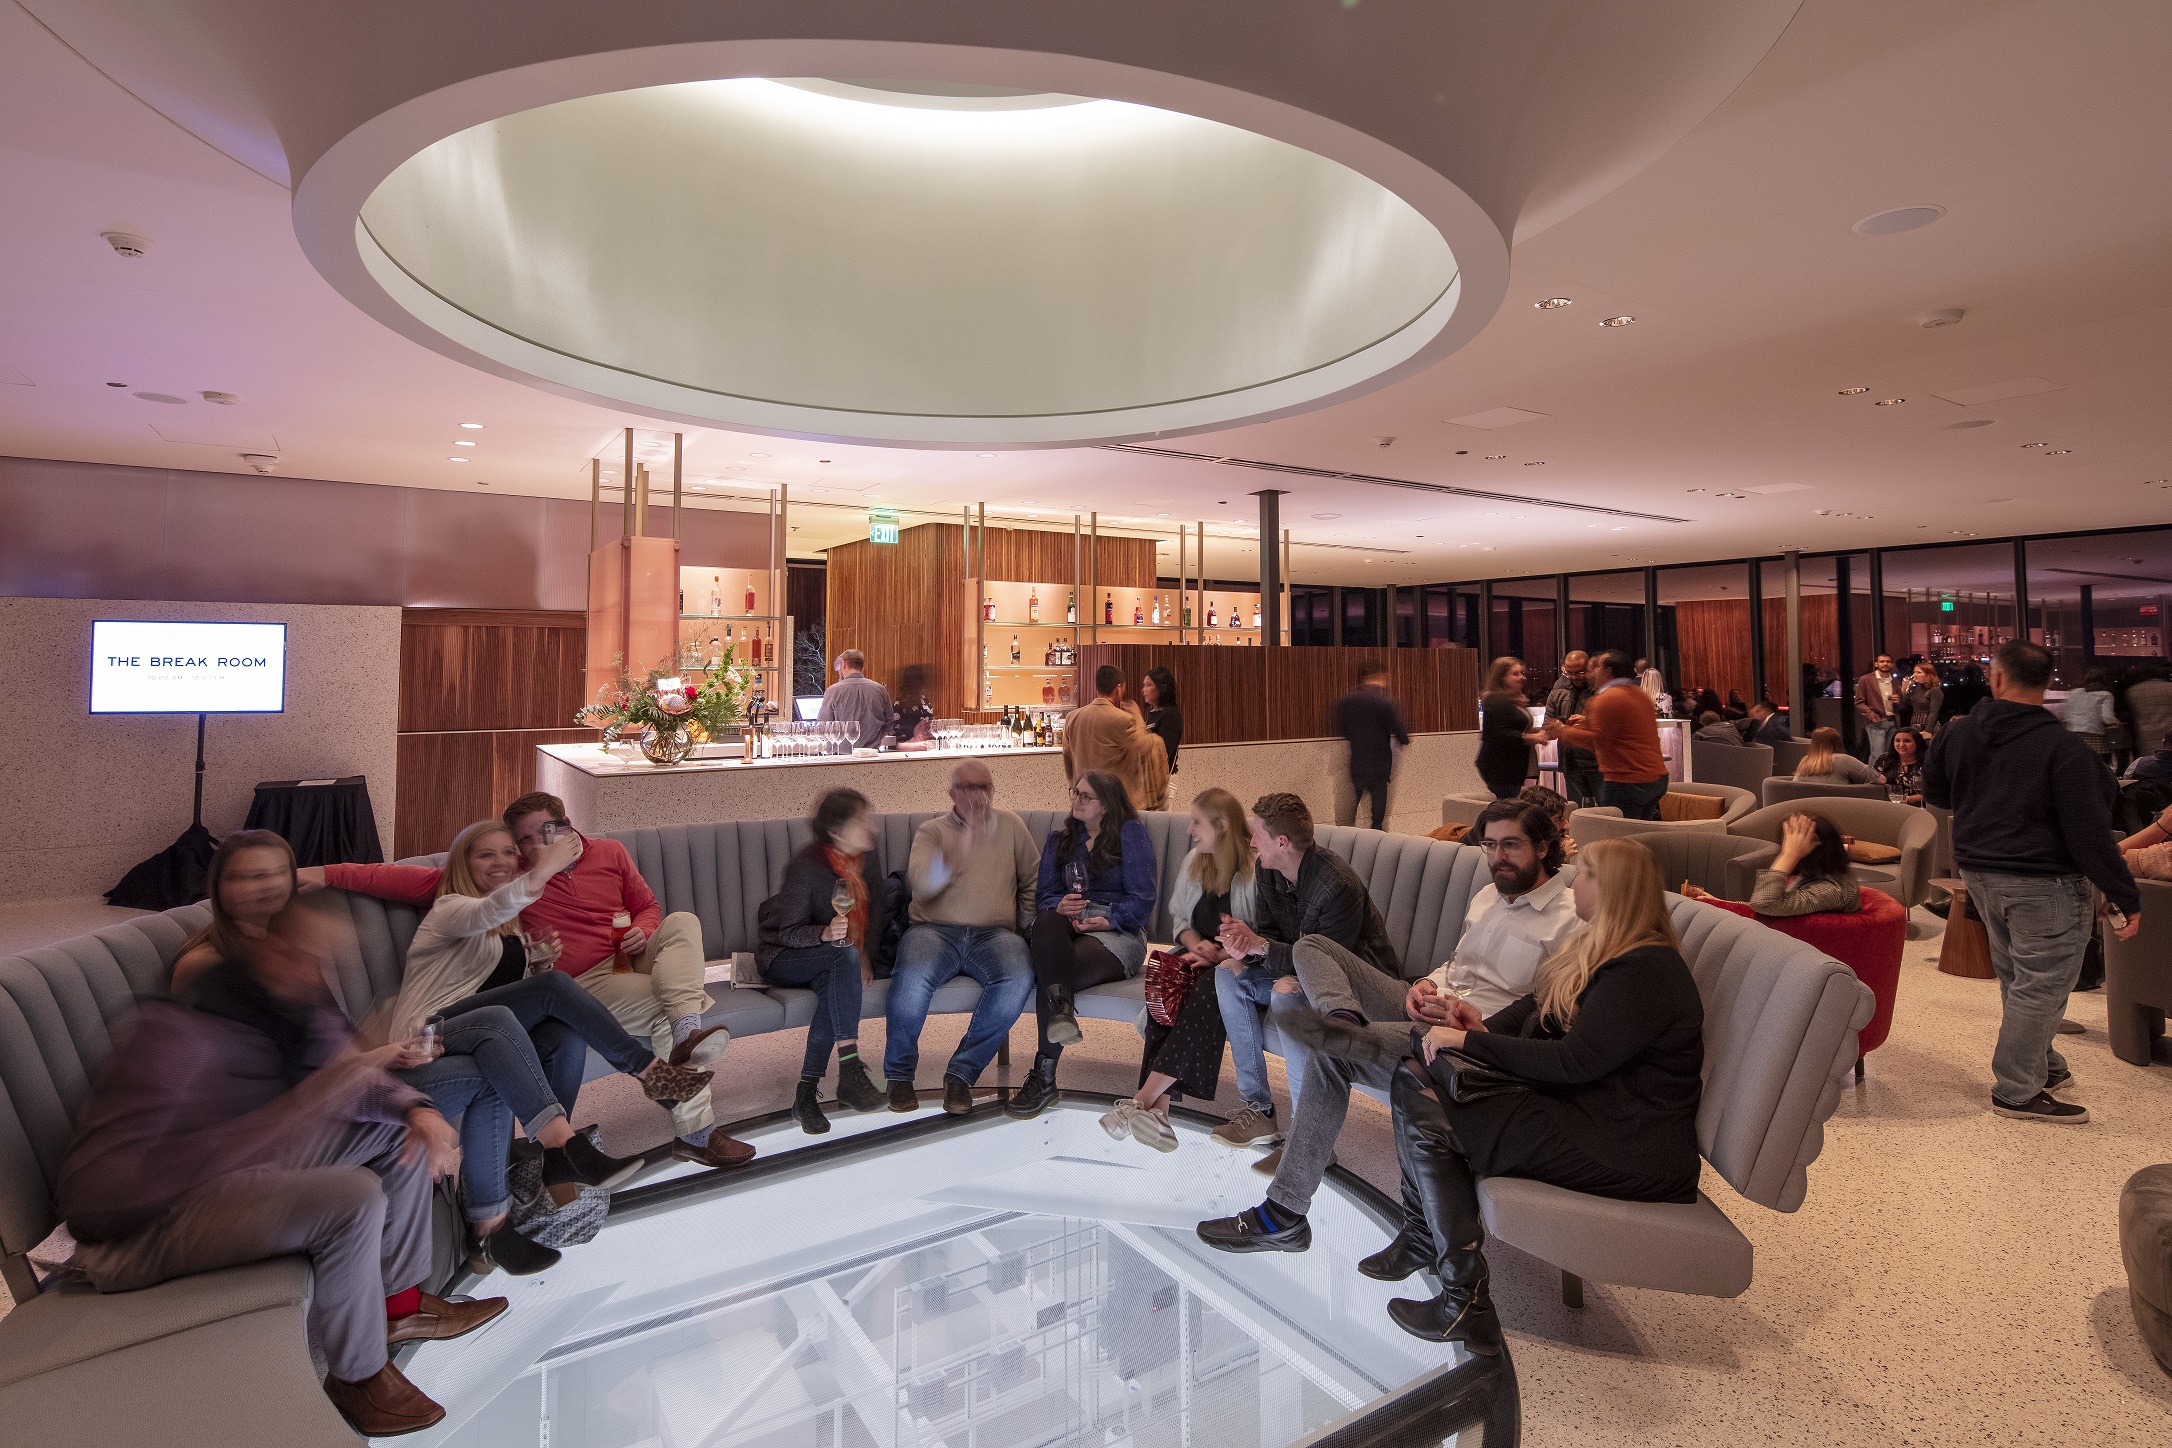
(1617, 321)
(2027, 445)
(1322, 517)
(1889, 402)
(1853, 391)
(456, 460)
(463, 442)
(1536, 463)
(987, 455)
(821, 460)
(1968, 422)
(1694, 490)
(1899, 219)
(1551, 304)
(472, 426)
(757, 455)
(2057, 452)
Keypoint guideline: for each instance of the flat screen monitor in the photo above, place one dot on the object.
(807, 705)
(147, 667)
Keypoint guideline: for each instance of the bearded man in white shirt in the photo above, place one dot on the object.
(1523, 916)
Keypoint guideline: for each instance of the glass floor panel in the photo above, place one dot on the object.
(995, 1284)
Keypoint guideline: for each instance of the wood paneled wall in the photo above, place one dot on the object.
(907, 602)
(479, 689)
(1240, 695)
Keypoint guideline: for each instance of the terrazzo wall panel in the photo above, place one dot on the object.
(83, 798)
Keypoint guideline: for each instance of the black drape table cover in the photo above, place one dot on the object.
(328, 821)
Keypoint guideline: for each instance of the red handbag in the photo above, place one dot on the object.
(1169, 979)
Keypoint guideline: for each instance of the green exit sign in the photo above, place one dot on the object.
(882, 532)
(1945, 605)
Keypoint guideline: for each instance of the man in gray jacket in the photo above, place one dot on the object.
(857, 699)
(1579, 767)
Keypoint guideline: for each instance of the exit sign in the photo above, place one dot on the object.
(1945, 605)
(882, 532)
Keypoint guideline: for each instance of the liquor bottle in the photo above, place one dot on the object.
(1187, 612)
(1006, 720)
(750, 598)
(987, 608)
(716, 594)
(727, 638)
(1138, 615)
(716, 652)
(1070, 609)
(1014, 648)
(1255, 615)
(1033, 607)
(769, 649)
(1108, 609)
(1210, 613)
(987, 694)
(1157, 611)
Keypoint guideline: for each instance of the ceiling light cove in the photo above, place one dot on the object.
(917, 263)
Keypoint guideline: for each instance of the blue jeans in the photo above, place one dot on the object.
(1635, 801)
(930, 957)
(459, 1085)
(562, 1021)
(833, 973)
(1243, 998)
(2038, 927)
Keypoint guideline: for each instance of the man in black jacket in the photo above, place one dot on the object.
(2032, 829)
(1308, 895)
(1369, 722)
(1580, 778)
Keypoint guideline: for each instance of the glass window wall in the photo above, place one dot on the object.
(2100, 601)
(1606, 611)
(1523, 625)
(1704, 633)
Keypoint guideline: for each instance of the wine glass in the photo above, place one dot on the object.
(1074, 877)
(840, 897)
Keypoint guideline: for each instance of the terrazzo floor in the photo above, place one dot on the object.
(1952, 1279)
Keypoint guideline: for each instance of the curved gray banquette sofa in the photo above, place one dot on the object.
(1780, 1028)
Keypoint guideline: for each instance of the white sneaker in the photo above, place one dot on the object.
(1117, 1123)
(1151, 1128)
(1249, 1127)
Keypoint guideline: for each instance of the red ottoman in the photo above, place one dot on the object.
(1869, 942)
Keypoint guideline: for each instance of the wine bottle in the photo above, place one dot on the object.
(1033, 607)
(1070, 609)
(1255, 615)
(750, 598)
(1187, 613)
(987, 608)
(1138, 615)
(1014, 648)
(1210, 613)
(716, 594)
(1108, 609)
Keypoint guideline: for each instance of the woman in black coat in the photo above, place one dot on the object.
(1505, 735)
(815, 933)
(1158, 702)
(1604, 1060)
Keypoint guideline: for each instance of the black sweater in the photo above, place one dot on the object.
(2028, 798)
(795, 917)
(1626, 1077)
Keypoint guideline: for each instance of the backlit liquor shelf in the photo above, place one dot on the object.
(728, 610)
(1030, 632)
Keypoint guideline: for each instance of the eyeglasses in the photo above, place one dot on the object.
(1084, 796)
(976, 788)
(1494, 847)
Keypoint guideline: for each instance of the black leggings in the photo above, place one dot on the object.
(1064, 957)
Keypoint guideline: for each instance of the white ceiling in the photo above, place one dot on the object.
(2040, 127)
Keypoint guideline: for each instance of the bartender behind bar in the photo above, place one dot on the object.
(857, 699)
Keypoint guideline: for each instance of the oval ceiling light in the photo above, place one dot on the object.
(1889, 402)
(1617, 321)
(1853, 391)
(1899, 219)
(1552, 304)
(1046, 234)
(473, 426)
(463, 442)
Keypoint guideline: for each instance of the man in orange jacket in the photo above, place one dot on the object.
(1619, 725)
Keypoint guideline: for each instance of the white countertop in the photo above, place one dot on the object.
(594, 759)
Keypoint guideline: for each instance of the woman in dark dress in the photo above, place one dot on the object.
(1158, 701)
(1902, 766)
(1611, 1045)
(1096, 892)
(814, 934)
(1505, 735)
(1218, 878)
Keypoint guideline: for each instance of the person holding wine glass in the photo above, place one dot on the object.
(1098, 884)
(815, 933)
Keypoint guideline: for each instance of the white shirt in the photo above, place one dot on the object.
(1504, 940)
(1883, 683)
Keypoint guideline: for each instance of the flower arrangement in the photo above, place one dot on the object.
(671, 698)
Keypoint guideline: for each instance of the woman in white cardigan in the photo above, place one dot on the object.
(1218, 879)
(509, 1034)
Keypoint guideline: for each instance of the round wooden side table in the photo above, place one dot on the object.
(1966, 950)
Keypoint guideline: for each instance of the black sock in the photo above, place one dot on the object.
(849, 1051)
(1277, 1218)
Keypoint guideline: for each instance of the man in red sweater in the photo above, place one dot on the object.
(1619, 725)
(662, 997)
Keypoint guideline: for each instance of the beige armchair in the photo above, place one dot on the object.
(1745, 766)
(1910, 830)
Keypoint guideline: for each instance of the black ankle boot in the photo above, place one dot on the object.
(1462, 1313)
(581, 1160)
(1411, 1251)
(808, 1109)
(1062, 1017)
(855, 1089)
(1034, 1093)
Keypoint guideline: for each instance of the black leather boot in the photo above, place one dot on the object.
(855, 1089)
(1062, 1017)
(1034, 1093)
(807, 1107)
(1411, 1250)
(1462, 1313)
(1437, 1182)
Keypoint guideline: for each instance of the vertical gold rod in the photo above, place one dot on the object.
(1286, 620)
(776, 593)
(1201, 572)
(1184, 578)
(1078, 571)
(678, 463)
(781, 552)
(980, 612)
(1093, 570)
(626, 490)
(595, 498)
(973, 588)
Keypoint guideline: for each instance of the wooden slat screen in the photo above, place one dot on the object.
(1241, 695)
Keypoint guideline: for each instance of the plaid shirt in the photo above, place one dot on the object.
(1327, 899)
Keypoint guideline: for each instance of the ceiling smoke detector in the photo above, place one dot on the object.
(1943, 317)
(126, 243)
(261, 462)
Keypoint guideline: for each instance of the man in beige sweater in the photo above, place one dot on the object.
(1107, 733)
(973, 873)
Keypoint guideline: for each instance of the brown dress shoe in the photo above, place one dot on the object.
(719, 1151)
(685, 1052)
(383, 1405)
(441, 1320)
(903, 1097)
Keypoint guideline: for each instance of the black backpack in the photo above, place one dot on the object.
(2140, 801)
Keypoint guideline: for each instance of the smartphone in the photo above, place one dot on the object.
(549, 835)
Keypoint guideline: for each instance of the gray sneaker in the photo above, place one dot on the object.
(1249, 1127)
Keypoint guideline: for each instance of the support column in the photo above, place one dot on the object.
(1270, 568)
(1757, 629)
(1799, 709)
(1562, 642)
(2021, 590)
(1878, 643)
(1486, 651)
(1651, 625)
(1844, 625)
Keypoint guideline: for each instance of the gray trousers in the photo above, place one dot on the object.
(344, 1200)
(1343, 982)
(2038, 927)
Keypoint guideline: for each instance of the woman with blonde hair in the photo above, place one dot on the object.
(1218, 879)
(1826, 761)
(503, 1023)
(1505, 733)
(1591, 1082)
